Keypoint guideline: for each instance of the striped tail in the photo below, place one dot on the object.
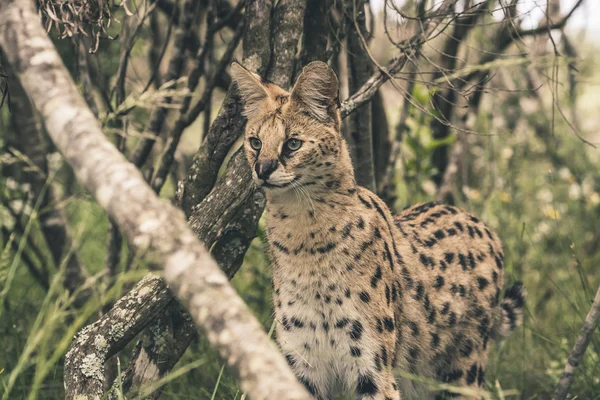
(512, 309)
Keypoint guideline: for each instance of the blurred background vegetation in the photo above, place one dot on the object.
(521, 156)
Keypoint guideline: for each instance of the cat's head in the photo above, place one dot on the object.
(292, 138)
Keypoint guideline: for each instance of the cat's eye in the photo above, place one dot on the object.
(255, 143)
(293, 144)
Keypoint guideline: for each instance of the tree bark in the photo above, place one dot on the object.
(153, 227)
(382, 145)
(360, 128)
(444, 102)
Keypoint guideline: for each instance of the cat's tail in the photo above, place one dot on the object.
(511, 308)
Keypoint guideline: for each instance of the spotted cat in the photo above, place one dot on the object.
(361, 297)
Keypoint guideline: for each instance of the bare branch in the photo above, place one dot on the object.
(551, 26)
(144, 146)
(583, 340)
(185, 117)
(369, 88)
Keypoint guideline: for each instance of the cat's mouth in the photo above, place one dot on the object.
(278, 185)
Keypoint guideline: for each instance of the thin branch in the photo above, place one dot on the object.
(84, 74)
(551, 26)
(583, 340)
(369, 88)
(144, 146)
(186, 118)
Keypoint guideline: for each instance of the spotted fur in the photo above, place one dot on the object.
(359, 294)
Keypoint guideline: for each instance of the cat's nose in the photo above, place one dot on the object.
(265, 168)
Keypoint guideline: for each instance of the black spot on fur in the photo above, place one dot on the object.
(376, 277)
(356, 330)
(482, 283)
(290, 360)
(480, 376)
(431, 313)
(466, 348)
(498, 262)
(388, 255)
(286, 324)
(379, 210)
(281, 247)
(365, 202)
(425, 260)
(452, 319)
(413, 356)
(312, 389)
(443, 265)
(361, 223)
(342, 323)
(462, 260)
(364, 296)
(297, 323)
(449, 257)
(445, 308)
(384, 355)
(355, 351)
(471, 231)
(366, 385)
(435, 340)
(439, 282)
(388, 323)
(327, 248)
(471, 260)
(413, 327)
(347, 230)
(419, 292)
(478, 232)
(472, 374)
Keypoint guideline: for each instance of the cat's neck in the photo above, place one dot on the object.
(326, 195)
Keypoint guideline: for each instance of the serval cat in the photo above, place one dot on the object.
(360, 295)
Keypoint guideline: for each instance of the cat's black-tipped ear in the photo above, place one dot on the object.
(316, 91)
(252, 91)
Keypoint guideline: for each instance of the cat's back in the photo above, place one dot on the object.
(453, 252)
(454, 268)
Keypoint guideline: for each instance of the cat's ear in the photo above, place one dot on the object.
(316, 91)
(253, 92)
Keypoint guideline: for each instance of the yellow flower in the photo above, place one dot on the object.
(505, 197)
(552, 213)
